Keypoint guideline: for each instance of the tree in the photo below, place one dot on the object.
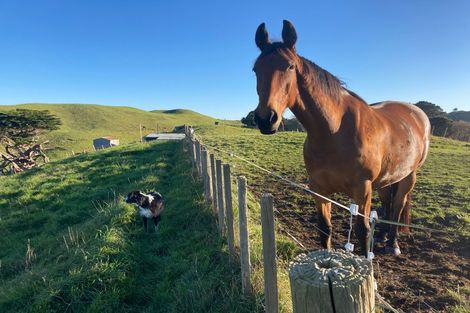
(432, 110)
(249, 120)
(19, 134)
(440, 125)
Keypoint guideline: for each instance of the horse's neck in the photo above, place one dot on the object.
(318, 113)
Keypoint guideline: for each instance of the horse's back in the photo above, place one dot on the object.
(396, 112)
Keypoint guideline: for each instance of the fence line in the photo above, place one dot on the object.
(378, 220)
(244, 242)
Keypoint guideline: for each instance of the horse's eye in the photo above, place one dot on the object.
(291, 67)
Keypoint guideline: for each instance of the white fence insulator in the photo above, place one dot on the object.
(354, 208)
(349, 247)
(373, 216)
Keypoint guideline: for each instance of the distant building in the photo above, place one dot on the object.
(164, 136)
(105, 142)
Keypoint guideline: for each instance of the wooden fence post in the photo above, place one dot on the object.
(198, 158)
(214, 186)
(229, 210)
(206, 176)
(193, 152)
(220, 196)
(244, 237)
(330, 281)
(269, 254)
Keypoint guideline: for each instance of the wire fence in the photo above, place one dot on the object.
(352, 209)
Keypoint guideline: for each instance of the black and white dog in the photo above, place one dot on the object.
(150, 206)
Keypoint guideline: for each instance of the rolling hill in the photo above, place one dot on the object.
(83, 122)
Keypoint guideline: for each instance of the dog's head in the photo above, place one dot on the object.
(135, 197)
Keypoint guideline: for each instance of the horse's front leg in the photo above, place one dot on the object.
(385, 195)
(362, 196)
(324, 221)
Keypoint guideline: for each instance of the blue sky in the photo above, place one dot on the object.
(199, 55)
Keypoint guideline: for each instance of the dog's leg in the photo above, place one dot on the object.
(145, 223)
(156, 221)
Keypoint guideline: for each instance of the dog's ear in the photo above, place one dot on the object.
(156, 195)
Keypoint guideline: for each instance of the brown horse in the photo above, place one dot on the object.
(351, 147)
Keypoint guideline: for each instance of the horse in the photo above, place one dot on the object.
(350, 147)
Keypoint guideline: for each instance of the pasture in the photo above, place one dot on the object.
(433, 268)
(73, 244)
(69, 243)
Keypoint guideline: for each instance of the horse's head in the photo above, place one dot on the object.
(276, 77)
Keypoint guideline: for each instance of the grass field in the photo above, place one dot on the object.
(69, 243)
(81, 123)
(441, 200)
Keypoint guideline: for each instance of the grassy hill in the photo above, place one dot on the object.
(460, 116)
(69, 243)
(112, 243)
(81, 123)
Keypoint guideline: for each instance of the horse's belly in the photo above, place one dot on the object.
(397, 166)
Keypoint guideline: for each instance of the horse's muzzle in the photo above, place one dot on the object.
(267, 125)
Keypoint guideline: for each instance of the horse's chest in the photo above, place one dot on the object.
(329, 172)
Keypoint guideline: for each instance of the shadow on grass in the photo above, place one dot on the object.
(76, 246)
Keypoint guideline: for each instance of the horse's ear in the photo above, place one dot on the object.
(289, 35)
(262, 38)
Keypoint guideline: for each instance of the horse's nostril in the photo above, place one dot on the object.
(273, 118)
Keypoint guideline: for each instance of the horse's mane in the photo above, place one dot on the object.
(314, 76)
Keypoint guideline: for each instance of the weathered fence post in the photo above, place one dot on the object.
(214, 186)
(193, 153)
(244, 239)
(332, 281)
(198, 158)
(269, 254)
(229, 210)
(206, 176)
(220, 196)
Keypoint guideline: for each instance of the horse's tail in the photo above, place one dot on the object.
(406, 214)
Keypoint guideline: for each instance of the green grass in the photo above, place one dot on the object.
(441, 199)
(84, 122)
(87, 251)
(70, 243)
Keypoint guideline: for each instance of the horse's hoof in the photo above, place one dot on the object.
(392, 250)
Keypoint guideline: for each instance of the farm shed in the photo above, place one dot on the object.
(164, 136)
(105, 142)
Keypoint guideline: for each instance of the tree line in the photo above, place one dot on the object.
(455, 125)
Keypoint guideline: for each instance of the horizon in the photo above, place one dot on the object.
(154, 56)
